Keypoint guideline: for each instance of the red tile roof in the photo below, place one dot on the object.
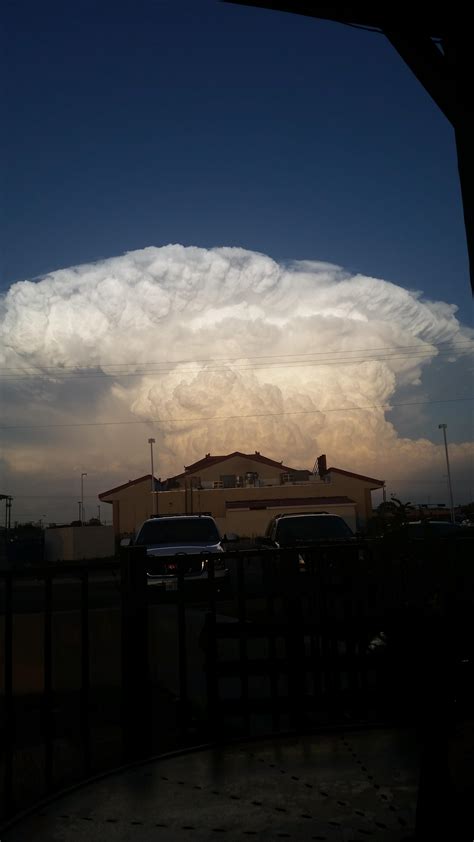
(209, 460)
(128, 484)
(277, 502)
(378, 483)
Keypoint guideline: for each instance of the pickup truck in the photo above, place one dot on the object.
(193, 538)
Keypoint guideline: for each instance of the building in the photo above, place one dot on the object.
(243, 491)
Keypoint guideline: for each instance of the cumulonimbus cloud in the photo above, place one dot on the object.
(229, 350)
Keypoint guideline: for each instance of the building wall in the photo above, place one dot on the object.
(213, 500)
(356, 489)
(236, 466)
(130, 507)
(242, 521)
(133, 505)
(73, 543)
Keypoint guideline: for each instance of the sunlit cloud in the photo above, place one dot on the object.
(217, 350)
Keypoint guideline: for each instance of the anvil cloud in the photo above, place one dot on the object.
(216, 350)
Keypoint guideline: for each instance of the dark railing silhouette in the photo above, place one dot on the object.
(358, 634)
(41, 581)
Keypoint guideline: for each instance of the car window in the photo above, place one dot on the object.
(269, 529)
(429, 530)
(178, 532)
(433, 529)
(300, 529)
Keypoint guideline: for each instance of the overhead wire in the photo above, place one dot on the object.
(454, 344)
(387, 405)
(220, 364)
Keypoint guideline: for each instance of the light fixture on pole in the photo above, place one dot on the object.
(151, 442)
(82, 498)
(443, 427)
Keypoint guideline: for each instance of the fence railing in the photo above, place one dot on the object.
(29, 643)
(291, 639)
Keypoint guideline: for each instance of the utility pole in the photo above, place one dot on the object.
(98, 512)
(8, 510)
(443, 427)
(151, 442)
(82, 498)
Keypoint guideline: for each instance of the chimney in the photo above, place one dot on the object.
(322, 465)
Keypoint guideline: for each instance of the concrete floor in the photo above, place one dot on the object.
(353, 786)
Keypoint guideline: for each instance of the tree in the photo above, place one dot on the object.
(390, 514)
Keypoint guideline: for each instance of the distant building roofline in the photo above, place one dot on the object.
(378, 483)
(208, 461)
(104, 494)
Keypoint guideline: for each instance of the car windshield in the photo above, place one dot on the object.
(431, 529)
(178, 532)
(307, 529)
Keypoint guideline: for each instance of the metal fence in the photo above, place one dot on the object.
(29, 721)
(295, 639)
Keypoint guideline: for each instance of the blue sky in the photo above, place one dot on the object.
(133, 124)
(207, 124)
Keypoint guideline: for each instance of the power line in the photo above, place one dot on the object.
(459, 345)
(53, 497)
(266, 356)
(77, 375)
(388, 406)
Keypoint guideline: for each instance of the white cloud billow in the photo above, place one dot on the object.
(195, 311)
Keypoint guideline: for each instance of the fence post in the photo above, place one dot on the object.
(295, 643)
(184, 707)
(9, 700)
(209, 644)
(136, 695)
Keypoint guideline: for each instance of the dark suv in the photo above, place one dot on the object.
(321, 536)
(288, 530)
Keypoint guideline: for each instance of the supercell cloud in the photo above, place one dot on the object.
(176, 336)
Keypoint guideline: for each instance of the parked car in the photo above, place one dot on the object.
(287, 530)
(192, 537)
(421, 530)
(311, 530)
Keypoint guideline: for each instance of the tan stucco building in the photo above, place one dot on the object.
(243, 491)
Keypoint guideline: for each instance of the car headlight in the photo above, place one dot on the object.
(219, 564)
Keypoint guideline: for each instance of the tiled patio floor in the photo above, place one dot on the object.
(354, 786)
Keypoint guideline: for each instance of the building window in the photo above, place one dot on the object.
(228, 480)
(251, 478)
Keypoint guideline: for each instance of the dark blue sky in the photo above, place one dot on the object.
(133, 124)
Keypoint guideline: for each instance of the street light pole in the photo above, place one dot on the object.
(82, 498)
(443, 428)
(151, 442)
